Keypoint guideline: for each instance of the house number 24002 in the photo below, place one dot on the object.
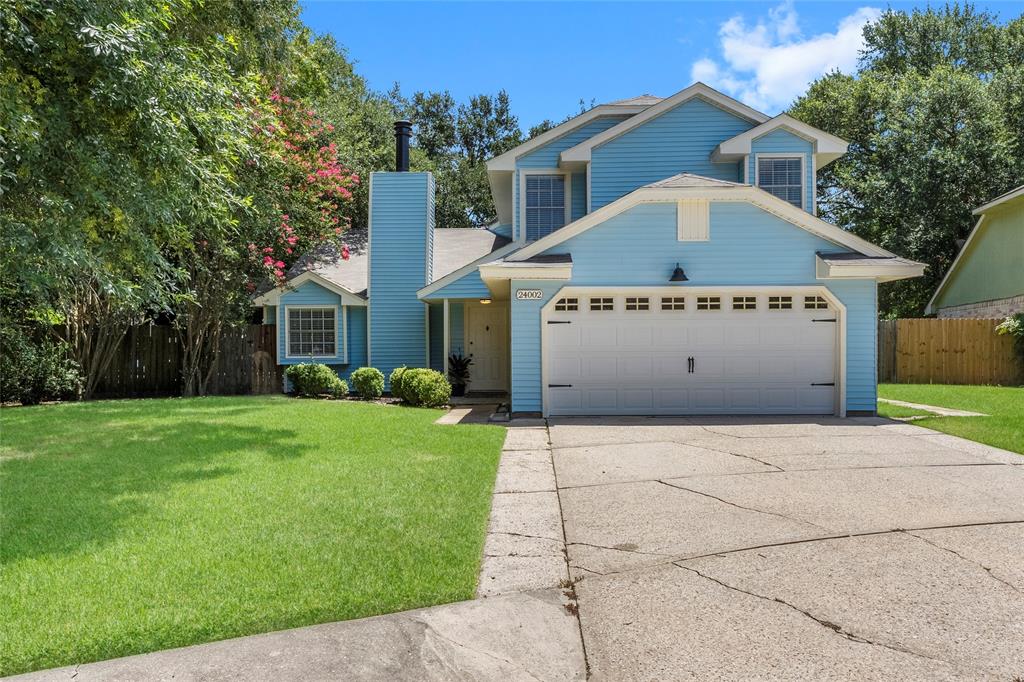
(529, 294)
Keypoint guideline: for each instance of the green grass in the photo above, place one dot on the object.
(1003, 429)
(894, 411)
(132, 526)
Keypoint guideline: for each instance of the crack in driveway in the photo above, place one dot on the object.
(740, 506)
(834, 627)
(970, 561)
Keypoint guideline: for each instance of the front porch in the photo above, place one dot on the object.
(478, 329)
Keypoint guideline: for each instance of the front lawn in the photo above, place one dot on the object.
(1003, 429)
(131, 526)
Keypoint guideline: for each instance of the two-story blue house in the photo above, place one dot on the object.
(651, 256)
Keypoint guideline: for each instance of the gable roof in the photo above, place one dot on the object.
(1001, 200)
(453, 249)
(690, 186)
(581, 152)
(827, 147)
(643, 100)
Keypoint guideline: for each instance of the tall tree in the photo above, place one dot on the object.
(935, 121)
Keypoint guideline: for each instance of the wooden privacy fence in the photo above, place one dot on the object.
(148, 364)
(946, 351)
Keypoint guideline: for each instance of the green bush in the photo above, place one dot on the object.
(397, 375)
(425, 388)
(315, 380)
(368, 382)
(32, 371)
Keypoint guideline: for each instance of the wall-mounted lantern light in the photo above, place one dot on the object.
(485, 301)
(678, 275)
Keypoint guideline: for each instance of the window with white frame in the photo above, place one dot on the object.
(815, 303)
(780, 303)
(782, 177)
(709, 303)
(638, 303)
(545, 204)
(602, 303)
(312, 332)
(673, 303)
(744, 303)
(567, 305)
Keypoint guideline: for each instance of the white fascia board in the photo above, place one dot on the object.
(550, 271)
(929, 309)
(426, 291)
(581, 152)
(507, 161)
(883, 271)
(1009, 196)
(758, 197)
(273, 296)
(827, 147)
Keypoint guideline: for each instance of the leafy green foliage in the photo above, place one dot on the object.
(934, 118)
(313, 380)
(425, 388)
(396, 380)
(311, 511)
(368, 382)
(458, 369)
(32, 371)
(1014, 326)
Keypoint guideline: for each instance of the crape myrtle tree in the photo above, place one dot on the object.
(935, 120)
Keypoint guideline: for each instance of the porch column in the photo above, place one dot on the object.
(447, 336)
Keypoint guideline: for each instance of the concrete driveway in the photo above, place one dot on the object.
(791, 548)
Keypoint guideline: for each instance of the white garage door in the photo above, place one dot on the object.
(679, 352)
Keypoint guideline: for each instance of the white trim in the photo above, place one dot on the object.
(507, 161)
(340, 330)
(369, 264)
(795, 290)
(567, 183)
(447, 335)
(517, 270)
(582, 151)
(696, 212)
(758, 197)
(883, 271)
(827, 146)
(814, 184)
(929, 309)
(426, 291)
(746, 169)
(1009, 196)
(783, 155)
(273, 297)
(589, 185)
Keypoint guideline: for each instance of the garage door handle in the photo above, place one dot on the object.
(690, 365)
(831, 383)
(559, 385)
(559, 322)
(828, 319)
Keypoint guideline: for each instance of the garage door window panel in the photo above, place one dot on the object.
(780, 303)
(709, 303)
(673, 303)
(567, 305)
(744, 303)
(602, 304)
(815, 303)
(637, 303)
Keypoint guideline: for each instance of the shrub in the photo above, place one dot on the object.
(315, 380)
(32, 371)
(396, 381)
(1014, 326)
(368, 382)
(425, 388)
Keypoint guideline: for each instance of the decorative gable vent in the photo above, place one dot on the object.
(692, 220)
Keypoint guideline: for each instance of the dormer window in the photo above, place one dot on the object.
(545, 205)
(782, 177)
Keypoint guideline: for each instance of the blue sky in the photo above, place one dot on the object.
(548, 56)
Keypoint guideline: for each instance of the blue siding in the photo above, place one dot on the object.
(548, 156)
(525, 319)
(783, 141)
(401, 242)
(679, 141)
(468, 286)
(503, 230)
(746, 246)
(579, 195)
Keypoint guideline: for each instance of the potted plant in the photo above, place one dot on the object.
(458, 373)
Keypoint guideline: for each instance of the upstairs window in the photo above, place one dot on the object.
(782, 178)
(545, 205)
(311, 332)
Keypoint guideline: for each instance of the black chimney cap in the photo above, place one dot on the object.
(403, 131)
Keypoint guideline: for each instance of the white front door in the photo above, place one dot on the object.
(680, 352)
(487, 344)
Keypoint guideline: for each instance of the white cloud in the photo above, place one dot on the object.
(771, 63)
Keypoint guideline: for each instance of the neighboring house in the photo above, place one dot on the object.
(651, 256)
(986, 279)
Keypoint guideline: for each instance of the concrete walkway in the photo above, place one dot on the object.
(941, 411)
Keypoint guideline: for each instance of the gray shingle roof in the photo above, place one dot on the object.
(691, 180)
(854, 258)
(641, 100)
(453, 248)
